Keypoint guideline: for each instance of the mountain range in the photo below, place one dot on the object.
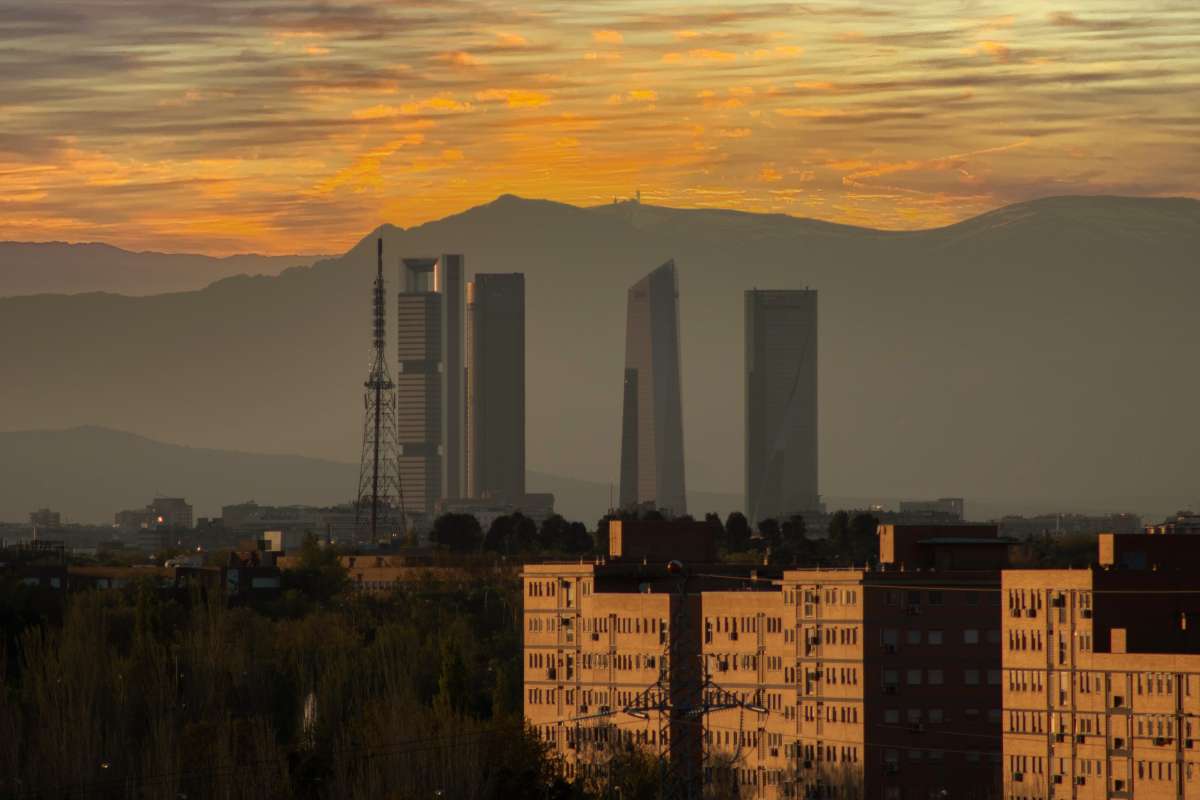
(61, 268)
(1044, 351)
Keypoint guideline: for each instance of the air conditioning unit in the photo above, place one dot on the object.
(916, 727)
(1118, 701)
(1160, 741)
(891, 768)
(913, 611)
(1031, 612)
(1018, 777)
(1058, 779)
(774, 751)
(1080, 780)
(1060, 737)
(595, 636)
(733, 635)
(1086, 613)
(551, 673)
(890, 649)
(1016, 612)
(806, 765)
(1118, 785)
(891, 689)
(1118, 743)
(1059, 602)
(1188, 744)
(583, 708)
(1079, 737)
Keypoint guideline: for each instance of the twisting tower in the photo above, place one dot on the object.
(379, 491)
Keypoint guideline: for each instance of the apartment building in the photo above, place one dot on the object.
(1102, 674)
(811, 683)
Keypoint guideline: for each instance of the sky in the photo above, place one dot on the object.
(294, 126)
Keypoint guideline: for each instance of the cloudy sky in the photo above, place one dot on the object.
(296, 126)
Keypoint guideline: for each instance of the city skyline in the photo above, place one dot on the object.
(276, 127)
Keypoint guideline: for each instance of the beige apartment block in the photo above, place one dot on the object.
(1102, 674)
(817, 683)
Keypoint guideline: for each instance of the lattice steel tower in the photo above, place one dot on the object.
(380, 494)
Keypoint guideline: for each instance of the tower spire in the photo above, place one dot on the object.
(378, 475)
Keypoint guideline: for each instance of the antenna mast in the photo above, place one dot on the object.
(378, 475)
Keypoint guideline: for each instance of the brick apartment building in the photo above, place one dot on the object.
(1102, 674)
(815, 683)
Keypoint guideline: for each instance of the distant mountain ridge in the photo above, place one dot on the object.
(1042, 351)
(64, 268)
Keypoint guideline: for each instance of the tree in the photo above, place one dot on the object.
(511, 534)
(458, 532)
(770, 532)
(839, 530)
(863, 536)
(453, 687)
(737, 532)
(320, 573)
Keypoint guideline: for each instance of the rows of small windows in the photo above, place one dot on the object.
(833, 676)
(621, 661)
(1028, 602)
(1023, 639)
(1092, 682)
(831, 597)
(937, 677)
(732, 626)
(831, 634)
(830, 712)
(620, 625)
(914, 717)
(542, 588)
(890, 637)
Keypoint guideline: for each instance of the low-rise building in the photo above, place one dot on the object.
(1102, 674)
(883, 682)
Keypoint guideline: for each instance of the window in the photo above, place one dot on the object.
(936, 715)
(890, 677)
(912, 598)
(936, 677)
(971, 677)
(913, 637)
(890, 636)
(971, 636)
(993, 636)
(913, 715)
(914, 677)
(935, 637)
(891, 716)
(993, 677)
(935, 598)
(892, 598)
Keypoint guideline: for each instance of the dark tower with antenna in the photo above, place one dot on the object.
(380, 494)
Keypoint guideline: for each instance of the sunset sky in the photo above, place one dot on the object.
(283, 126)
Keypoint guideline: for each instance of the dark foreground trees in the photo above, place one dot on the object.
(313, 696)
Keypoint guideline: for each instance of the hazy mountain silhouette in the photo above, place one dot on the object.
(62, 268)
(89, 473)
(1043, 351)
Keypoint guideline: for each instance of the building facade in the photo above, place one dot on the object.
(652, 471)
(816, 683)
(1102, 674)
(781, 403)
(430, 414)
(495, 433)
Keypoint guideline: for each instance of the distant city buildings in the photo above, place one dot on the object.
(652, 470)
(495, 435)
(949, 507)
(162, 512)
(45, 518)
(1068, 524)
(781, 403)
(1183, 522)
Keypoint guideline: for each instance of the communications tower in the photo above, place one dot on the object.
(380, 494)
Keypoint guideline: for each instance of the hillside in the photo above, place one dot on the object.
(1043, 351)
(61, 268)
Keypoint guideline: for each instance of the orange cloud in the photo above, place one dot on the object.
(607, 37)
(643, 95)
(458, 58)
(769, 175)
(514, 98)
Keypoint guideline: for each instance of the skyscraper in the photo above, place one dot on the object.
(496, 387)
(781, 403)
(429, 384)
(652, 418)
